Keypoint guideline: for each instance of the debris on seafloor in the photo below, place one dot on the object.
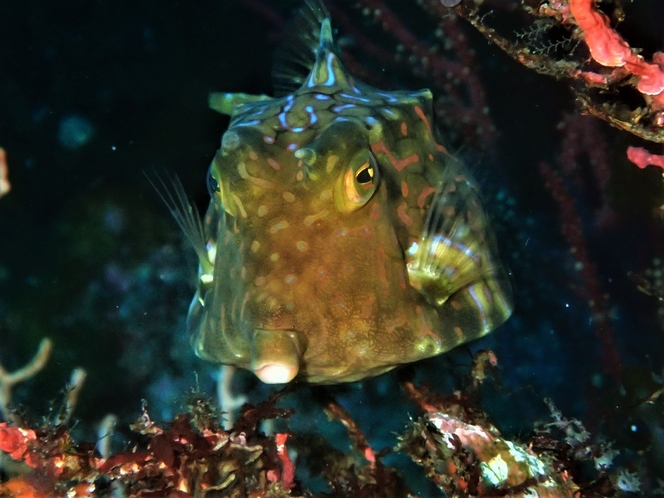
(465, 455)
(192, 456)
(455, 442)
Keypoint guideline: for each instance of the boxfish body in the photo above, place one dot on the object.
(342, 239)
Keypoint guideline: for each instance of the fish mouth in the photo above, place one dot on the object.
(276, 355)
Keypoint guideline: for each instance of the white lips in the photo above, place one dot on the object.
(276, 373)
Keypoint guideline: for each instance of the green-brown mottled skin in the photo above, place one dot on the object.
(344, 240)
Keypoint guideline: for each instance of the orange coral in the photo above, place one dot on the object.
(5, 186)
(15, 441)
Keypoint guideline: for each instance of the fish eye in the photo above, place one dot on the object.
(359, 182)
(212, 184)
(365, 174)
(216, 191)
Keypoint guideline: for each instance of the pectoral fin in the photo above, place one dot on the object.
(455, 262)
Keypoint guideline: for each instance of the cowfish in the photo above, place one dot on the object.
(342, 239)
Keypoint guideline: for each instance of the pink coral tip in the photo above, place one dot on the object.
(642, 158)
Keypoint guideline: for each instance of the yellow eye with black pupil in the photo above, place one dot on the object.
(358, 182)
(365, 174)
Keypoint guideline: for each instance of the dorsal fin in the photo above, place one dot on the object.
(297, 54)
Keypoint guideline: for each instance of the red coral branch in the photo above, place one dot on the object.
(609, 49)
(335, 411)
(642, 158)
(288, 471)
(572, 230)
(449, 73)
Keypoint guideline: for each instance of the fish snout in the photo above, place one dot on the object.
(276, 355)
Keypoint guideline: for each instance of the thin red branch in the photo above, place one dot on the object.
(335, 411)
(572, 230)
